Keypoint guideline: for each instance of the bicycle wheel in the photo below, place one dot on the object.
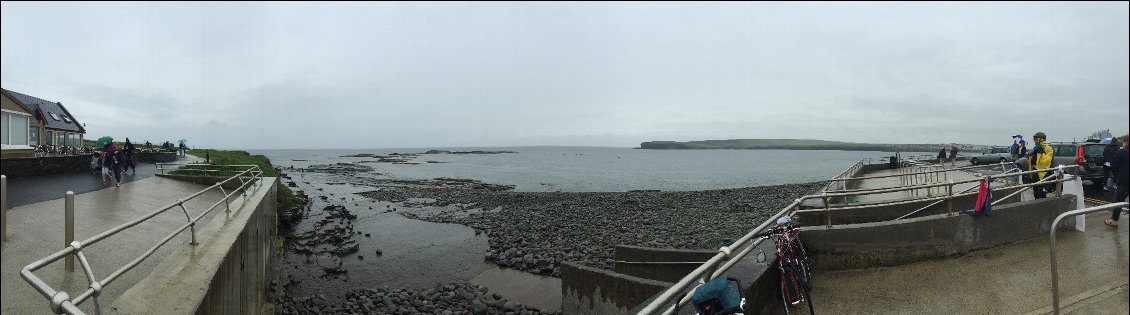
(803, 261)
(785, 296)
(795, 288)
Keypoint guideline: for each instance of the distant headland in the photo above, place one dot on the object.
(799, 144)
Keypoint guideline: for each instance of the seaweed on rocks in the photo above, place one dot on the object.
(332, 235)
(339, 169)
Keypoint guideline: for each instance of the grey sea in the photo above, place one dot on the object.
(588, 169)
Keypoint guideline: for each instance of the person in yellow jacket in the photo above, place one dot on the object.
(1040, 157)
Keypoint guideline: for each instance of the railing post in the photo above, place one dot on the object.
(827, 210)
(191, 224)
(1059, 184)
(69, 228)
(3, 208)
(226, 201)
(949, 199)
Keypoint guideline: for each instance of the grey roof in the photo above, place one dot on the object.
(50, 110)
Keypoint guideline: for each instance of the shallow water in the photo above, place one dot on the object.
(414, 253)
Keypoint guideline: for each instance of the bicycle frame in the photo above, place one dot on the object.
(793, 264)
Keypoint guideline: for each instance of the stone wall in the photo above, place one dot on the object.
(46, 165)
(158, 157)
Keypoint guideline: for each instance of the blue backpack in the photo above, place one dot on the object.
(718, 296)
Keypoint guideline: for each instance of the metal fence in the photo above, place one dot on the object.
(679, 294)
(62, 303)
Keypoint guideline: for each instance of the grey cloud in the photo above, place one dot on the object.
(282, 75)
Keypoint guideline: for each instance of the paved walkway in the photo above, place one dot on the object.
(29, 190)
(36, 230)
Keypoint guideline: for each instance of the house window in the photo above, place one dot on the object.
(4, 128)
(13, 129)
(60, 138)
(72, 139)
(56, 117)
(66, 119)
(33, 136)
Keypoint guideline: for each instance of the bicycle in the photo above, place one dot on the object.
(793, 263)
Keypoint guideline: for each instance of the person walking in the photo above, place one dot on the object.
(1023, 149)
(104, 170)
(119, 164)
(953, 155)
(942, 157)
(1015, 150)
(130, 163)
(1121, 168)
(1042, 155)
(109, 163)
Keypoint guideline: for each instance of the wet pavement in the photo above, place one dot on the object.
(37, 230)
(1011, 279)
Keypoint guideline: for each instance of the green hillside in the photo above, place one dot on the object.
(791, 144)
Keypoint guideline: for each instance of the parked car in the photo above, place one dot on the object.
(992, 155)
(1087, 155)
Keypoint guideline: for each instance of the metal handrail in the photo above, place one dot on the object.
(965, 191)
(61, 302)
(1045, 181)
(1051, 245)
(905, 174)
(845, 174)
(725, 258)
(898, 189)
(160, 166)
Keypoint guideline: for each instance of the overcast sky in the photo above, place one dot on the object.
(400, 75)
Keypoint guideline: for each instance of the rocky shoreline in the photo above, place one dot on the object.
(537, 231)
(450, 299)
(529, 231)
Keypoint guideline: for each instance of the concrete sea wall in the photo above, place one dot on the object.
(869, 245)
(226, 273)
(587, 290)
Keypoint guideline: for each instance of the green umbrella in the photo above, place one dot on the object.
(103, 141)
